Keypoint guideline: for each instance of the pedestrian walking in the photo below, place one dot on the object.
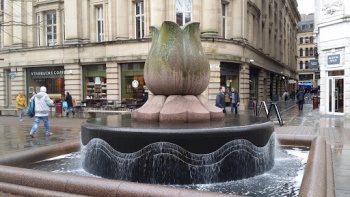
(220, 99)
(300, 97)
(69, 101)
(21, 105)
(42, 108)
(234, 100)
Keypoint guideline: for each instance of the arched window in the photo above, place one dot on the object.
(311, 39)
(306, 52)
(301, 65)
(311, 52)
(301, 40)
(306, 64)
(301, 52)
(315, 50)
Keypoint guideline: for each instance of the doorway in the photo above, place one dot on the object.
(335, 95)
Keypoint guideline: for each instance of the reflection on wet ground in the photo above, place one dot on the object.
(14, 135)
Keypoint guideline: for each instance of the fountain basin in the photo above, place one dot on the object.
(237, 147)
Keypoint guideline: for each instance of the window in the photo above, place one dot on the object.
(307, 65)
(311, 39)
(301, 40)
(311, 52)
(140, 20)
(311, 26)
(306, 40)
(303, 27)
(315, 50)
(301, 52)
(51, 28)
(306, 77)
(183, 12)
(301, 65)
(223, 20)
(306, 52)
(99, 24)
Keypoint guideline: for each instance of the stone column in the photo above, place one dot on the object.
(59, 27)
(17, 84)
(72, 23)
(250, 27)
(42, 29)
(157, 12)
(214, 81)
(113, 85)
(239, 19)
(262, 87)
(210, 18)
(73, 82)
(122, 27)
(19, 32)
(8, 29)
(244, 85)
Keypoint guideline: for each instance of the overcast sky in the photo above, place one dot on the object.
(306, 6)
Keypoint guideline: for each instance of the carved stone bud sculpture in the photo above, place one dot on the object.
(177, 72)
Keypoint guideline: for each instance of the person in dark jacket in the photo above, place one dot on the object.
(234, 100)
(220, 99)
(70, 104)
(300, 97)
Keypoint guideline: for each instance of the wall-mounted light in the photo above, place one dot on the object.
(251, 61)
(70, 72)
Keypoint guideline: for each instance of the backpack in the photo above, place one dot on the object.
(31, 108)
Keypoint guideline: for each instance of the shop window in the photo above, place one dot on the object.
(183, 12)
(140, 20)
(50, 77)
(99, 24)
(95, 82)
(133, 85)
(51, 28)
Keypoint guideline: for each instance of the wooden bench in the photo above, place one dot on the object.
(8, 112)
(92, 113)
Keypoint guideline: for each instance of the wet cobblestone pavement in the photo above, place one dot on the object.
(14, 135)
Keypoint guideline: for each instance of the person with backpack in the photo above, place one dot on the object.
(42, 103)
(21, 104)
(300, 97)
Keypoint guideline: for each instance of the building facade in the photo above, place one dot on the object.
(332, 27)
(96, 49)
(308, 69)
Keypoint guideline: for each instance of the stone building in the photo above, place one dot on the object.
(332, 33)
(308, 69)
(96, 49)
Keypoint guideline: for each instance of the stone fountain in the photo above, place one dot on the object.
(176, 137)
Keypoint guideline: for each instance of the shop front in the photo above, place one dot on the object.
(133, 87)
(335, 87)
(51, 77)
(94, 85)
(229, 77)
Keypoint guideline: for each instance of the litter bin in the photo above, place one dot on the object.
(315, 102)
(58, 107)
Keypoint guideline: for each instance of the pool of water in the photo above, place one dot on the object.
(284, 179)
